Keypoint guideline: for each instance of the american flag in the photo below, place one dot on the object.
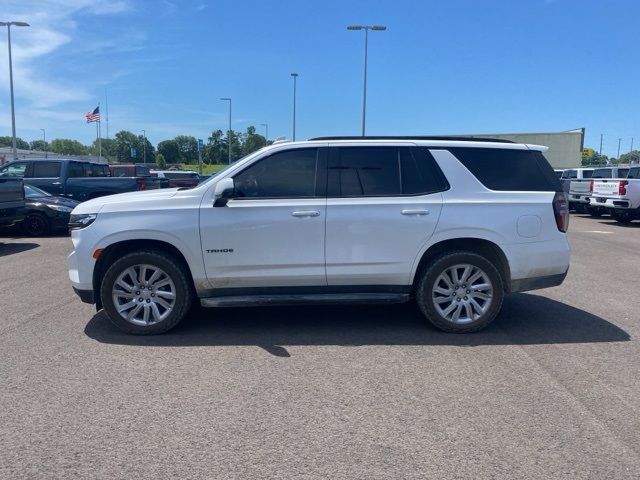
(94, 115)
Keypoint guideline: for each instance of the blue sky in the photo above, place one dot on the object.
(460, 66)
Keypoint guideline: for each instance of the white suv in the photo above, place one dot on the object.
(453, 223)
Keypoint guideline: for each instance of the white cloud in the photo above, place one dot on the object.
(47, 92)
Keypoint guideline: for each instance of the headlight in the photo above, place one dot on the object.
(81, 221)
(61, 208)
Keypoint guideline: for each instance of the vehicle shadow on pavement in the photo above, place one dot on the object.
(525, 320)
(635, 224)
(17, 247)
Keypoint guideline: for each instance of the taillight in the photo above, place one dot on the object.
(141, 184)
(622, 187)
(561, 211)
(591, 186)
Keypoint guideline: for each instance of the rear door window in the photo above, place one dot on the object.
(45, 170)
(506, 169)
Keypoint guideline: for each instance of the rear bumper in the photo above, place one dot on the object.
(606, 202)
(578, 198)
(536, 283)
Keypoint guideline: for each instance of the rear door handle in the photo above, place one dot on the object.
(306, 213)
(56, 183)
(415, 212)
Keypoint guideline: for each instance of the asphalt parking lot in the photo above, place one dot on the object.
(550, 390)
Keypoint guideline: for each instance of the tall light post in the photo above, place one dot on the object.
(144, 146)
(13, 112)
(266, 134)
(619, 140)
(226, 99)
(366, 29)
(295, 78)
(44, 139)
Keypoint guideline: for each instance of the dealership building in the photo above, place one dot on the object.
(565, 148)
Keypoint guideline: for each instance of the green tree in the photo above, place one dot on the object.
(215, 151)
(630, 158)
(591, 158)
(252, 141)
(109, 148)
(125, 141)
(66, 146)
(20, 143)
(187, 148)
(39, 145)
(160, 161)
(169, 150)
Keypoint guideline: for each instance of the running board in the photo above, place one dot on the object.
(304, 299)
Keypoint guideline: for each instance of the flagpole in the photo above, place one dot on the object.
(99, 135)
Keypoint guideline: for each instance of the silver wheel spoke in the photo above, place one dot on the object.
(138, 304)
(460, 301)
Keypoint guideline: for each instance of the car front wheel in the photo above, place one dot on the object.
(460, 292)
(146, 293)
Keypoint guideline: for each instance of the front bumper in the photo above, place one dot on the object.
(86, 296)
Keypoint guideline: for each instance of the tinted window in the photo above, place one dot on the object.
(587, 173)
(119, 171)
(75, 169)
(46, 170)
(570, 174)
(602, 173)
(364, 171)
(282, 175)
(420, 172)
(509, 169)
(622, 172)
(98, 170)
(142, 170)
(634, 172)
(14, 170)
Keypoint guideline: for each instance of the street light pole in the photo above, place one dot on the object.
(144, 146)
(619, 140)
(226, 99)
(295, 77)
(44, 139)
(266, 126)
(366, 29)
(13, 112)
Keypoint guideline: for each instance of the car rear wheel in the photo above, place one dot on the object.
(595, 211)
(146, 293)
(460, 292)
(622, 216)
(36, 225)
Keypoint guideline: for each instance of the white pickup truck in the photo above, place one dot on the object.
(580, 190)
(620, 196)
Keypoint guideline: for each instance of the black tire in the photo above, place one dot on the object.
(174, 269)
(622, 216)
(36, 224)
(595, 211)
(432, 272)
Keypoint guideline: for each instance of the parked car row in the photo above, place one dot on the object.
(604, 190)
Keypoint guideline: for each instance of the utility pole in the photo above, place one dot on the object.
(295, 77)
(601, 135)
(619, 140)
(266, 127)
(13, 110)
(144, 146)
(631, 149)
(44, 139)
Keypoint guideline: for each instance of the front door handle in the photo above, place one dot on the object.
(56, 183)
(415, 212)
(305, 213)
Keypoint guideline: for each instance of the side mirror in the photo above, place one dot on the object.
(225, 190)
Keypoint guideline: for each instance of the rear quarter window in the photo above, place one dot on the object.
(509, 169)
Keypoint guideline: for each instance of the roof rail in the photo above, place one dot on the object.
(411, 137)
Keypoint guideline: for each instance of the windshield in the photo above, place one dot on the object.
(33, 192)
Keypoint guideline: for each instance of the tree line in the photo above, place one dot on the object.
(591, 158)
(128, 147)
